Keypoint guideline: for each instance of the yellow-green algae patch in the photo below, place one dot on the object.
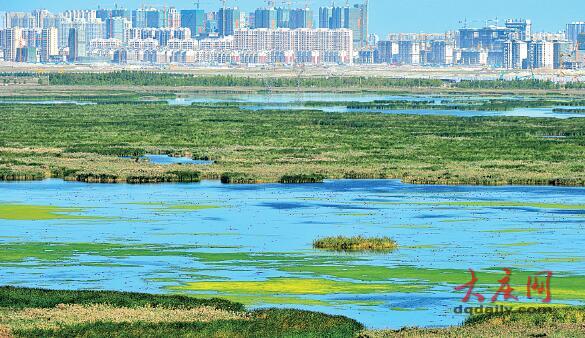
(564, 287)
(29, 212)
(251, 300)
(519, 244)
(512, 231)
(297, 286)
(510, 204)
(495, 204)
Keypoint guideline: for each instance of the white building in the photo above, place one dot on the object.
(541, 54)
(49, 43)
(515, 54)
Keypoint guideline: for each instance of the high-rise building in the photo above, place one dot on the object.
(408, 52)
(194, 19)
(351, 17)
(13, 41)
(146, 17)
(2, 20)
(282, 17)
(562, 53)
(325, 16)
(228, 20)
(541, 54)
(488, 38)
(116, 27)
(441, 53)
(301, 18)
(20, 19)
(385, 51)
(105, 14)
(522, 28)
(515, 54)
(356, 19)
(78, 45)
(265, 18)
(80, 15)
(169, 18)
(574, 29)
(49, 43)
(26, 54)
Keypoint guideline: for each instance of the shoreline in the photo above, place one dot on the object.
(43, 312)
(325, 180)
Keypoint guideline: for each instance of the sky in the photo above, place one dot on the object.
(386, 16)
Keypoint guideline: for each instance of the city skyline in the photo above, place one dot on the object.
(422, 18)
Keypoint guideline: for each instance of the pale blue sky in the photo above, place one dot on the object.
(386, 16)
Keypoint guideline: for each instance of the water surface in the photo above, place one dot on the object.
(253, 243)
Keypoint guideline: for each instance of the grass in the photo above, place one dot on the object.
(357, 243)
(35, 312)
(84, 143)
(45, 313)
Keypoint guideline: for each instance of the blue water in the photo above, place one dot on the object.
(283, 220)
(298, 101)
(168, 160)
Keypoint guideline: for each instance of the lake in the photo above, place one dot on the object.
(253, 243)
(299, 101)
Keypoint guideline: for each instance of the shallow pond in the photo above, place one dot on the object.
(253, 243)
(168, 160)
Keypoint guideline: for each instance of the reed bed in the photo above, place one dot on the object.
(87, 143)
(356, 244)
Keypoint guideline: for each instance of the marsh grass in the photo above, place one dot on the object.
(44, 313)
(84, 143)
(356, 244)
(19, 298)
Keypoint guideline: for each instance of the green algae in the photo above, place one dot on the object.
(26, 212)
(508, 204)
(423, 246)
(561, 260)
(297, 286)
(494, 204)
(45, 251)
(194, 207)
(254, 300)
(512, 231)
(519, 244)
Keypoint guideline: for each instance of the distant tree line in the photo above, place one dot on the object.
(141, 78)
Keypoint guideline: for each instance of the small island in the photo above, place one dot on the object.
(356, 244)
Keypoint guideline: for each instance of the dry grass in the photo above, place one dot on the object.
(66, 315)
(5, 332)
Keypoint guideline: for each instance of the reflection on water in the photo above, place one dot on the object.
(253, 243)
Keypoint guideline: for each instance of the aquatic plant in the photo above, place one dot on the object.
(302, 178)
(357, 243)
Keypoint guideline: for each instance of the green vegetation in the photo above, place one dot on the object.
(468, 105)
(357, 243)
(176, 79)
(35, 312)
(11, 297)
(22, 212)
(45, 313)
(84, 143)
(295, 179)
